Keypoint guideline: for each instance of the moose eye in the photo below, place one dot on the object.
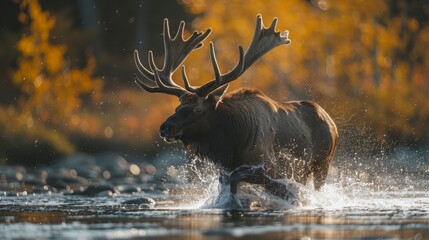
(197, 110)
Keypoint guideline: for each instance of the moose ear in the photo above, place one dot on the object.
(218, 94)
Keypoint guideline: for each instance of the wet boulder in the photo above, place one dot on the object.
(143, 202)
(129, 189)
(12, 173)
(112, 165)
(84, 164)
(35, 179)
(101, 190)
(64, 179)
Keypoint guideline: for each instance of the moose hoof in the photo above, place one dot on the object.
(233, 202)
(228, 201)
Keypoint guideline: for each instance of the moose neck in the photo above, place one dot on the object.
(209, 142)
(231, 130)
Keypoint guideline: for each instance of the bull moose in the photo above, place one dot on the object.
(242, 131)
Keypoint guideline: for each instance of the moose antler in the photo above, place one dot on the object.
(175, 52)
(264, 39)
(177, 49)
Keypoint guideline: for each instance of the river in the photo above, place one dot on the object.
(368, 201)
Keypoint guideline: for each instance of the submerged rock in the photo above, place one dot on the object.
(33, 179)
(12, 173)
(66, 179)
(113, 165)
(129, 189)
(84, 165)
(143, 202)
(99, 191)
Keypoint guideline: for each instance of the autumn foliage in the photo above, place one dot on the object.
(51, 88)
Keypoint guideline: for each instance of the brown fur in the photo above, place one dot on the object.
(293, 139)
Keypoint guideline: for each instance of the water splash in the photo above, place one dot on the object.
(377, 182)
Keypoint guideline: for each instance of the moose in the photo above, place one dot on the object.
(243, 131)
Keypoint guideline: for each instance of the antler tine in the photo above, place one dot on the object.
(264, 39)
(152, 64)
(167, 70)
(218, 78)
(143, 71)
(273, 24)
(221, 79)
(172, 91)
(186, 81)
(143, 86)
(166, 29)
(180, 30)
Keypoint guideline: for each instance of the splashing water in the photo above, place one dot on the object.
(359, 183)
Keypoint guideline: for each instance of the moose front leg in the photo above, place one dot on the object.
(256, 175)
(226, 199)
(223, 181)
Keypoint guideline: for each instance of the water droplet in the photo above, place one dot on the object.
(106, 174)
(134, 169)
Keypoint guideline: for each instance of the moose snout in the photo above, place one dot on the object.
(167, 129)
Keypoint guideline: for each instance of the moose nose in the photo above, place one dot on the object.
(166, 129)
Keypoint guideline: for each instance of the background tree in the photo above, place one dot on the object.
(51, 89)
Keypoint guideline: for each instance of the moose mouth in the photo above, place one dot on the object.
(171, 139)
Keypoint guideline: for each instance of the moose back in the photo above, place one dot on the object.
(242, 131)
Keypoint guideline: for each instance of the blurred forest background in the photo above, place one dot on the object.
(67, 69)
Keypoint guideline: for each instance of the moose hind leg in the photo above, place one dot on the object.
(256, 175)
(301, 171)
(249, 174)
(319, 174)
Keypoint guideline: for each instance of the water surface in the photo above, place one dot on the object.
(355, 204)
